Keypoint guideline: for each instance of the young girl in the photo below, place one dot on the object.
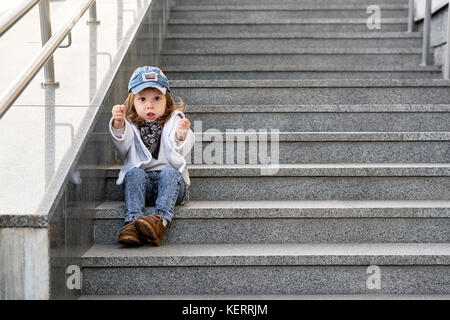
(151, 132)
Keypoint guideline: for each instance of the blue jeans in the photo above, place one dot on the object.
(162, 189)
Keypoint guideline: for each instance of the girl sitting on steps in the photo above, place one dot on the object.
(151, 132)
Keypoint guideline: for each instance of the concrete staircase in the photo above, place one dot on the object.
(363, 177)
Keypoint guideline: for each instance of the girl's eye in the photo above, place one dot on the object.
(142, 99)
(157, 98)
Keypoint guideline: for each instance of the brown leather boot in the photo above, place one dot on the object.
(151, 228)
(129, 235)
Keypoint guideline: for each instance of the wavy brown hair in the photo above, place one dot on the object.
(131, 114)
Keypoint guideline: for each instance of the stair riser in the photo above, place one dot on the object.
(348, 279)
(309, 188)
(322, 121)
(307, 95)
(264, 44)
(249, 15)
(288, 230)
(322, 152)
(307, 59)
(282, 28)
(326, 121)
(319, 152)
(314, 152)
(245, 75)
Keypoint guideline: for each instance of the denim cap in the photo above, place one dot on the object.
(148, 77)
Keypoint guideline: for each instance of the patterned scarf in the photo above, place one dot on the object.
(151, 136)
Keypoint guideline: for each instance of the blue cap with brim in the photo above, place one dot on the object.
(148, 77)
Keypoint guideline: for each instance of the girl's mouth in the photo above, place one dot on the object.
(151, 115)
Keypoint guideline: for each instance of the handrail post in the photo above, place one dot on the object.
(426, 34)
(46, 34)
(411, 16)
(447, 50)
(93, 14)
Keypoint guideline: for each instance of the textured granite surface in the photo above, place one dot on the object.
(292, 230)
(282, 2)
(305, 21)
(313, 169)
(317, 121)
(295, 35)
(214, 27)
(293, 221)
(424, 74)
(300, 57)
(402, 254)
(264, 280)
(271, 297)
(319, 108)
(264, 44)
(293, 209)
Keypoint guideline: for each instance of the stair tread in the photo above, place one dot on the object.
(300, 204)
(296, 35)
(294, 209)
(309, 169)
(334, 136)
(312, 83)
(319, 108)
(112, 255)
(265, 67)
(287, 21)
(272, 297)
(287, 7)
(275, 50)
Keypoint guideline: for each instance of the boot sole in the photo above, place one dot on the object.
(130, 241)
(146, 230)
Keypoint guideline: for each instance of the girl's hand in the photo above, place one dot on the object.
(182, 129)
(118, 113)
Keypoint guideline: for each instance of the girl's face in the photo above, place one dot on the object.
(150, 104)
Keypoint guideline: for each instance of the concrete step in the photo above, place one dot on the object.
(292, 222)
(271, 297)
(254, 146)
(320, 118)
(214, 26)
(296, 75)
(381, 181)
(173, 43)
(272, 12)
(313, 118)
(241, 3)
(279, 6)
(295, 72)
(350, 91)
(299, 56)
(261, 146)
(261, 269)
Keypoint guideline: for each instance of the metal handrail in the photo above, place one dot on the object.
(411, 16)
(426, 43)
(15, 14)
(426, 34)
(13, 92)
(447, 51)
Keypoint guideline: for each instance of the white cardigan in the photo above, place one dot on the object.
(136, 154)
